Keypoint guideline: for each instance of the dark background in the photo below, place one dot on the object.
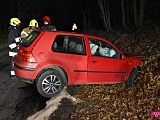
(64, 13)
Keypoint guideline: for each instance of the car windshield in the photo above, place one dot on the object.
(29, 39)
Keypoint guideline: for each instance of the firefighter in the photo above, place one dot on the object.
(13, 39)
(33, 26)
(74, 27)
(47, 24)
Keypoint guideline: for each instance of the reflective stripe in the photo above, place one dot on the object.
(13, 45)
(12, 53)
(12, 73)
(17, 39)
(23, 32)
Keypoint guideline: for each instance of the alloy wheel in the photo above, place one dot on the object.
(51, 84)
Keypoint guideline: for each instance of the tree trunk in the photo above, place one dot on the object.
(85, 10)
(108, 16)
(84, 21)
(128, 22)
(105, 14)
(123, 14)
(141, 12)
(138, 13)
(135, 14)
(88, 14)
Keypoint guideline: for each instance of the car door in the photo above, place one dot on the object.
(104, 63)
(69, 53)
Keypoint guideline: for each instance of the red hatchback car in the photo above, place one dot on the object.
(52, 59)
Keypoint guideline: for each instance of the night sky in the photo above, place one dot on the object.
(60, 12)
(64, 13)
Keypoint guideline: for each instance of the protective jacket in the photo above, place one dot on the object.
(13, 33)
(49, 27)
(25, 32)
(13, 39)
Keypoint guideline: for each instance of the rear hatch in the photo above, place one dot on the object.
(26, 46)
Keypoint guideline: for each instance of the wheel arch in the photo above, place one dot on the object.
(130, 81)
(57, 68)
(138, 68)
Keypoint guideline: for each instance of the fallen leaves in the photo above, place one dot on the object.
(107, 102)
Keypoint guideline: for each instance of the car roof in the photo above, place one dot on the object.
(72, 33)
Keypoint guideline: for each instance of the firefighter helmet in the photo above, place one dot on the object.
(14, 21)
(47, 18)
(74, 27)
(33, 23)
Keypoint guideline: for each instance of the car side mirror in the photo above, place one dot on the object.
(122, 57)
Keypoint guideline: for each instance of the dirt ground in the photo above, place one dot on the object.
(21, 101)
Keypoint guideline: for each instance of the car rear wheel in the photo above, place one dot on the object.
(50, 83)
(132, 77)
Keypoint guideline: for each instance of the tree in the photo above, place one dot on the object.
(29, 8)
(141, 12)
(86, 15)
(123, 14)
(105, 13)
(133, 8)
(138, 12)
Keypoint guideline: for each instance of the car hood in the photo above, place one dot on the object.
(130, 55)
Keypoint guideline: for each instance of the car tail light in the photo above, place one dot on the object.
(28, 56)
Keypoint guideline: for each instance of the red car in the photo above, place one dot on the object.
(52, 59)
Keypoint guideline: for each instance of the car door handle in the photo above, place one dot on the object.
(94, 61)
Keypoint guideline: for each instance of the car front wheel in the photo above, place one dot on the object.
(132, 77)
(50, 83)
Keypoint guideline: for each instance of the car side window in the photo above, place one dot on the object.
(69, 44)
(102, 49)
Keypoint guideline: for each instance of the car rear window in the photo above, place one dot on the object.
(26, 42)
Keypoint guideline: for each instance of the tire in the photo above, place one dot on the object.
(132, 77)
(50, 83)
